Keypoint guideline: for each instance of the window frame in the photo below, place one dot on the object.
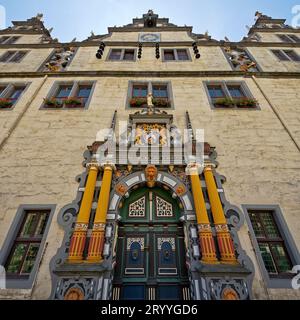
(289, 38)
(189, 57)
(283, 51)
(149, 85)
(289, 243)
(16, 52)
(122, 55)
(75, 88)
(10, 240)
(9, 39)
(224, 84)
(9, 90)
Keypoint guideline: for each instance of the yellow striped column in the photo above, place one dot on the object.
(97, 238)
(206, 240)
(225, 242)
(79, 235)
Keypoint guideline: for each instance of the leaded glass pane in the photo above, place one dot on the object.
(267, 257)
(30, 258)
(282, 260)
(17, 258)
(256, 224)
(269, 225)
(29, 225)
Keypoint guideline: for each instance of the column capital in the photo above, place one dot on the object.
(93, 165)
(208, 166)
(108, 165)
(194, 168)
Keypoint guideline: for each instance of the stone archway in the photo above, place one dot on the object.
(167, 230)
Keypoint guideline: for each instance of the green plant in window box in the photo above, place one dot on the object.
(137, 102)
(161, 103)
(245, 102)
(73, 102)
(5, 103)
(53, 103)
(223, 103)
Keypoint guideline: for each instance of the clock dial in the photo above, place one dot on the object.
(149, 37)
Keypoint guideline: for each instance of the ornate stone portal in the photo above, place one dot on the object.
(209, 224)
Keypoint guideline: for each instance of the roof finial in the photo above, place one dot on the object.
(39, 16)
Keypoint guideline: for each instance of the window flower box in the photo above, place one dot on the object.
(53, 103)
(245, 103)
(138, 102)
(223, 103)
(5, 103)
(161, 103)
(73, 103)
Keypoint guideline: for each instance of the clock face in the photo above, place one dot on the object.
(149, 37)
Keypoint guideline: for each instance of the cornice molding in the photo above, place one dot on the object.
(153, 74)
(200, 43)
(273, 30)
(156, 29)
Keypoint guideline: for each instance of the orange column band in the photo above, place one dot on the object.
(207, 245)
(225, 242)
(79, 235)
(97, 238)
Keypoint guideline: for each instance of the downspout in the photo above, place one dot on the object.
(20, 116)
(277, 114)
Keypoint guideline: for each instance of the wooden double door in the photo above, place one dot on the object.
(150, 252)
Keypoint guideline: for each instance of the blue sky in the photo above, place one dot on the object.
(74, 18)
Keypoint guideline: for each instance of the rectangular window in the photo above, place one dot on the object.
(182, 54)
(216, 91)
(286, 55)
(280, 55)
(83, 93)
(10, 94)
(13, 56)
(230, 95)
(122, 55)
(160, 91)
(169, 55)
(27, 243)
(115, 54)
(292, 55)
(273, 244)
(71, 95)
(138, 92)
(175, 55)
(291, 38)
(284, 38)
(16, 93)
(4, 39)
(235, 91)
(294, 38)
(128, 55)
(9, 40)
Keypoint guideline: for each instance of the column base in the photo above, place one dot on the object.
(207, 245)
(96, 244)
(226, 247)
(78, 243)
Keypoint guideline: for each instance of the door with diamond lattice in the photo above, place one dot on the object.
(150, 253)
